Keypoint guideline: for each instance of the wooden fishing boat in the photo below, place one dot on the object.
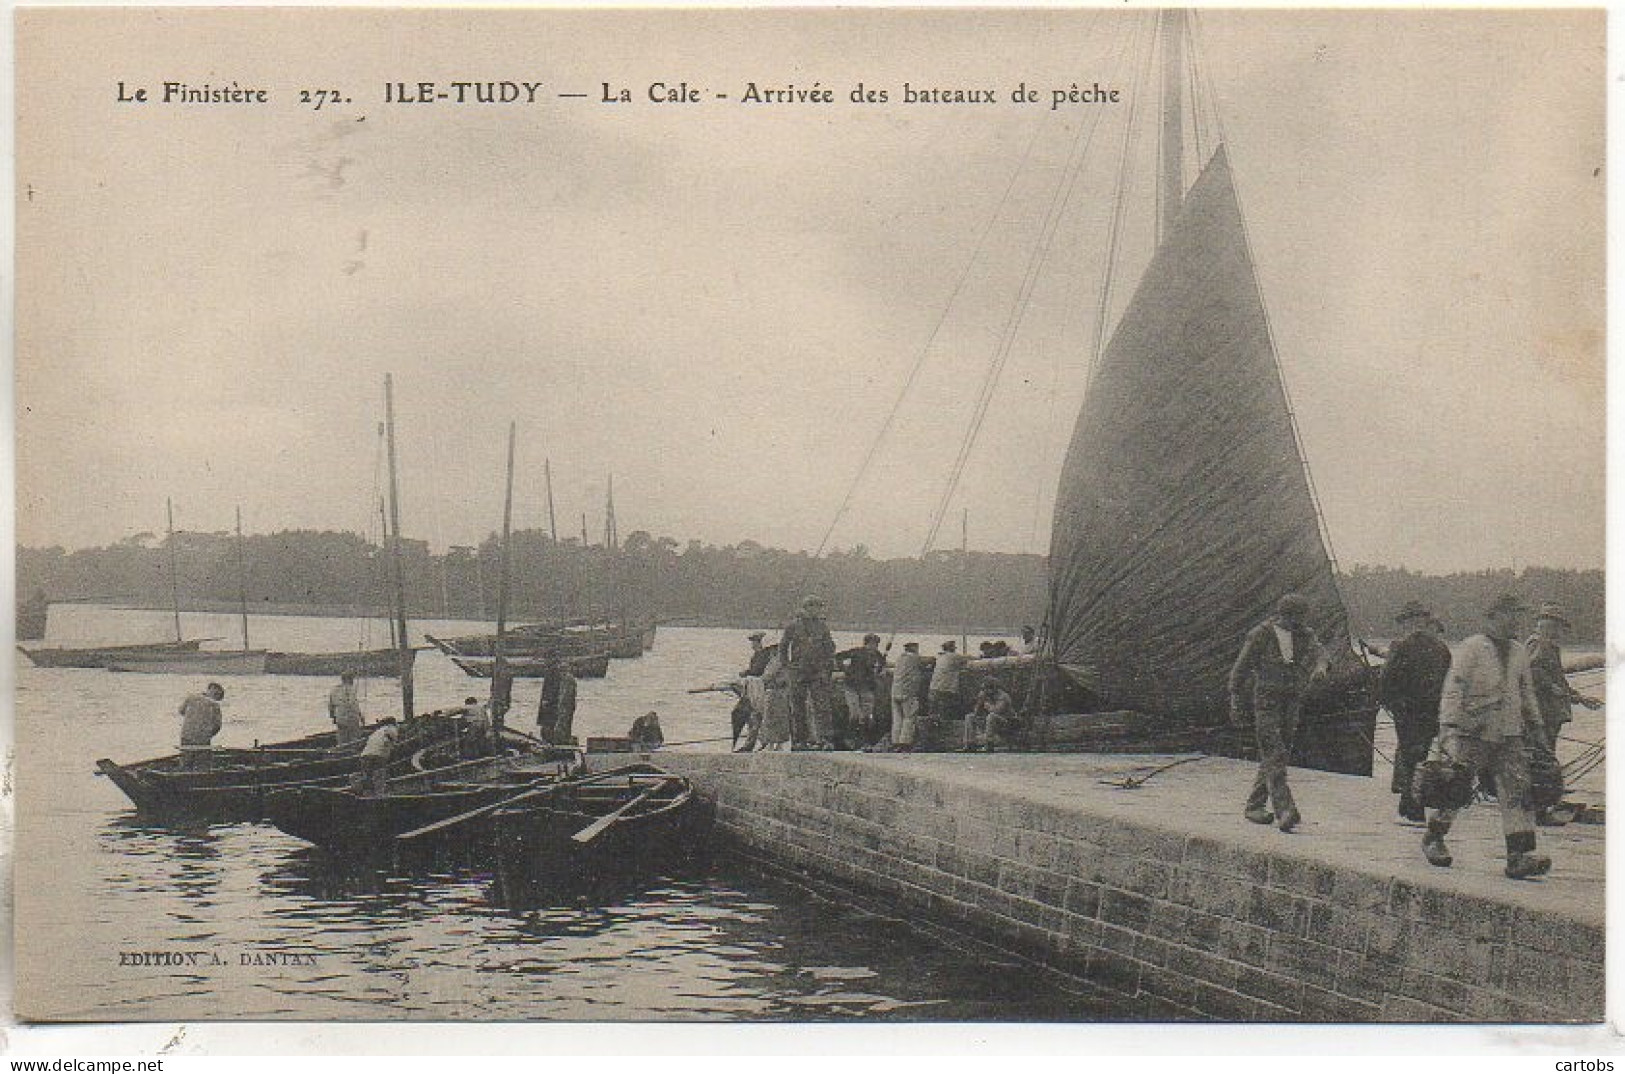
(102, 655)
(582, 667)
(529, 642)
(597, 830)
(343, 820)
(201, 662)
(362, 663)
(237, 785)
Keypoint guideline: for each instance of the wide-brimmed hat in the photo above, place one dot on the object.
(1413, 609)
(1292, 604)
(758, 636)
(1553, 610)
(1507, 602)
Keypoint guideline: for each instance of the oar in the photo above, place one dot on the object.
(593, 830)
(531, 791)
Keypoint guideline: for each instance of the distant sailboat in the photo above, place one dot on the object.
(245, 661)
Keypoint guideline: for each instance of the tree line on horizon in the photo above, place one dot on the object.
(744, 583)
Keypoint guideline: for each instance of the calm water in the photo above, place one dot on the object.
(728, 945)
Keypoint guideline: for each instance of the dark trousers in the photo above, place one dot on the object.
(1276, 725)
(1416, 732)
(813, 727)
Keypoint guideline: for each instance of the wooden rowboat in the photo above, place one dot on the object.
(202, 662)
(343, 820)
(240, 781)
(363, 663)
(101, 656)
(598, 830)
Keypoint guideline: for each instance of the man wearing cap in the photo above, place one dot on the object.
(344, 709)
(200, 722)
(808, 653)
(1487, 712)
(1552, 689)
(944, 710)
(1412, 680)
(862, 666)
(907, 683)
(1278, 662)
(556, 708)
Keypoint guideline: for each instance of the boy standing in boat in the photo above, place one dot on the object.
(1278, 662)
(344, 709)
(200, 722)
(1486, 715)
(375, 755)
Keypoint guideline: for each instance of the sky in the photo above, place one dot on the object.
(720, 303)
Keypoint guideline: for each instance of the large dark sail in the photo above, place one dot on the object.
(1184, 511)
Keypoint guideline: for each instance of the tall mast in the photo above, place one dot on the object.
(552, 519)
(174, 567)
(389, 590)
(242, 577)
(1171, 180)
(964, 579)
(403, 645)
(499, 667)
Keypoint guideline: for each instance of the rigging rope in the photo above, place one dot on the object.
(925, 350)
(1059, 201)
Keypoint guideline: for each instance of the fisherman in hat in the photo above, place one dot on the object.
(1412, 680)
(1486, 714)
(751, 707)
(1279, 661)
(862, 667)
(808, 653)
(1552, 690)
(907, 683)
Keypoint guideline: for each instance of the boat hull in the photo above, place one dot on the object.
(344, 821)
(366, 664)
(537, 856)
(582, 667)
(239, 784)
(198, 663)
(103, 656)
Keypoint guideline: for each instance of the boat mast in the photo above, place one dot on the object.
(964, 580)
(383, 522)
(1171, 177)
(403, 647)
(242, 577)
(499, 666)
(552, 518)
(174, 568)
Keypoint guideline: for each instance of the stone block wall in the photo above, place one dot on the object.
(1185, 923)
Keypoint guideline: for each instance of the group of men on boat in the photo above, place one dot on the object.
(787, 698)
(1488, 713)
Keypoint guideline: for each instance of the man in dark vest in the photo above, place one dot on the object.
(1278, 662)
(1412, 680)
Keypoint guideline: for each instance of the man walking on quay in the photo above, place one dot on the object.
(1279, 661)
(1552, 689)
(1412, 680)
(808, 654)
(1487, 713)
(200, 722)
